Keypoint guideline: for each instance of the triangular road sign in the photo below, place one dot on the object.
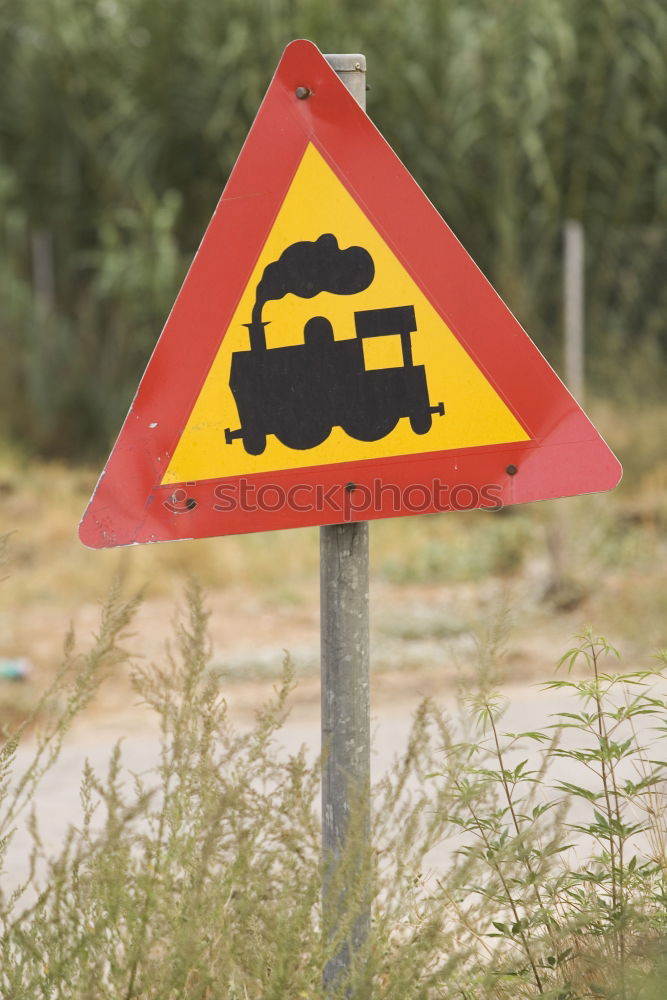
(334, 353)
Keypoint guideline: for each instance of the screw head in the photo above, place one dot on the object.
(302, 93)
(511, 470)
(350, 487)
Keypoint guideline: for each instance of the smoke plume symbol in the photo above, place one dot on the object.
(310, 267)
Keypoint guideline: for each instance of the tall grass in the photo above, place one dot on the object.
(201, 878)
(513, 117)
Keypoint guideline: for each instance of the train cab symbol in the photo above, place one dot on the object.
(301, 392)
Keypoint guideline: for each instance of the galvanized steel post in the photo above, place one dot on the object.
(574, 307)
(345, 700)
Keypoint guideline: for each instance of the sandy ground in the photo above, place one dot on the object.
(57, 802)
(58, 805)
(426, 640)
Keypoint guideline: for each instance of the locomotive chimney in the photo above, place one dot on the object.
(256, 329)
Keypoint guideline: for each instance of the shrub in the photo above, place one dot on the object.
(201, 879)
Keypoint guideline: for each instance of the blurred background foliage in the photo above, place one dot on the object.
(121, 119)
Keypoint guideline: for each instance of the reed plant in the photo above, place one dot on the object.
(513, 118)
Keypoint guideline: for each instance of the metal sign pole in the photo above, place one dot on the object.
(573, 296)
(345, 687)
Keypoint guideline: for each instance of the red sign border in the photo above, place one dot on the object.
(565, 456)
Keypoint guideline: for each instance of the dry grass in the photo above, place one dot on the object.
(435, 580)
(200, 876)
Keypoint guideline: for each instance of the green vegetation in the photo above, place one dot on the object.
(201, 879)
(120, 122)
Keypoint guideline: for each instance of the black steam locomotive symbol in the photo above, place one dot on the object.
(300, 393)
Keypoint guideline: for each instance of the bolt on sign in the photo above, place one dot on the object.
(334, 353)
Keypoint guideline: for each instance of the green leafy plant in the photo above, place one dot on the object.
(201, 877)
(579, 904)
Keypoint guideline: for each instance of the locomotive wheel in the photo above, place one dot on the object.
(421, 422)
(370, 430)
(309, 436)
(254, 442)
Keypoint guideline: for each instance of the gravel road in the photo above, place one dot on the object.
(57, 801)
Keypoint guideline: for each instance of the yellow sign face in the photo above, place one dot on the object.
(402, 384)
